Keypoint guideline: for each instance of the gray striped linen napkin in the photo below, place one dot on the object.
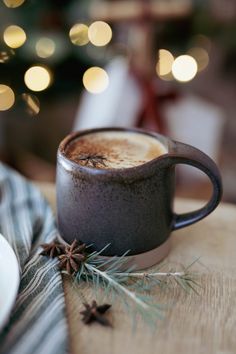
(38, 323)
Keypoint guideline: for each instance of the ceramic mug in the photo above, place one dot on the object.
(131, 208)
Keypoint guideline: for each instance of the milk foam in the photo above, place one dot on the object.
(114, 149)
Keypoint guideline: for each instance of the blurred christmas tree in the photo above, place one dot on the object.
(42, 38)
(46, 26)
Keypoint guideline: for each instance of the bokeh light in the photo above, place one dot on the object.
(167, 77)
(13, 3)
(37, 78)
(99, 33)
(6, 55)
(95, 80)
(32, 103)
(184, 68)
(79, 34)
(14, 36)
(165, 61)
(45, 47)
(201, 56)
(7, 97)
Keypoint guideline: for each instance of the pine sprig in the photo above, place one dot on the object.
(132, 287)
(115, 278)
(117, 287)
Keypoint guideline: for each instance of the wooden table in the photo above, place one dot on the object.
(192, 324)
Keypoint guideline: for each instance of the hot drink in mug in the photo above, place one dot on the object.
(116, 186)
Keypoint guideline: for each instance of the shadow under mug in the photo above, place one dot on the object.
(131, 208)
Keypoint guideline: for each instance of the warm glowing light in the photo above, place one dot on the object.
(7, 97)
(45, 47)
(14, 36)
(5, 55)
(37, 78)
(95, 80)
(32, 103)
(13, 3)
(79, 34)
(184, 68)
(99, 33)
(167, 77)
(165, 61)
(201, 56)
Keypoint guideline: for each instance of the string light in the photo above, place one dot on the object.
(7, 97)
(45, 47)
(165, 61)
(13, 3)
(184, 68)
(201, 56)
(32, 103)
(79, 34)
(37, 78)
(99, 33)
(6, 55)
(167, 77)
(14, 36)
(95, 80)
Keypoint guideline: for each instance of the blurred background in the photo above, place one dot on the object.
(164, 65)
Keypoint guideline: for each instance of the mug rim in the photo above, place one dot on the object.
(135, 172)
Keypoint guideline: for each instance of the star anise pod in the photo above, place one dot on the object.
(72, 257)
(52, 249)
(92, 160)
(95, 313)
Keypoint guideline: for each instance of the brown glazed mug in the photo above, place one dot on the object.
(131, 208)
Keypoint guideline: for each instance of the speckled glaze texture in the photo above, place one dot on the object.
(131, 208)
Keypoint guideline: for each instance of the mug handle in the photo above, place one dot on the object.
(186, 154)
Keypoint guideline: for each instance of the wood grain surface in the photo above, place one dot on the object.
(192, 324)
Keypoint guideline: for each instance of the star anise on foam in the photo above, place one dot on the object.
(52, 249)
(72, 257)
(95, 313)
(92, 160)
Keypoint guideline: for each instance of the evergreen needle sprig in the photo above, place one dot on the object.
(115, 277)
(130, 286)
(118, 286)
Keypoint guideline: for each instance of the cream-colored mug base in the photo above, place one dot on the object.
(146, 259)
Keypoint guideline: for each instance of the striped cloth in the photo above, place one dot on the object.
(38, 323)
